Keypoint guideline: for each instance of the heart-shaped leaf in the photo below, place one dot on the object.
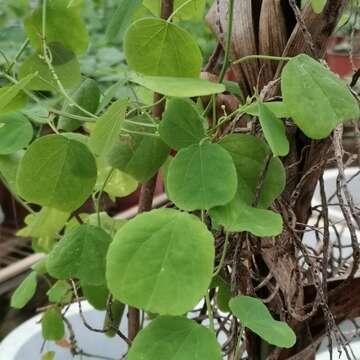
(178, 87)
(175, 338)
(57, 172)
(249, 155)
(201, 177)
(138, 155)
(65, 64)
(63, 25)
(159, 48)
(170, 243)
(181, 125)
(316, 99)
(254, 315)
(15, 133)
(80, 254)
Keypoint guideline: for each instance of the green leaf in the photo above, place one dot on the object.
(15, 133)
(121, 19)
(239, 216)
(170, 243)
(88, 97)
(318, 5)
(113, 322)
(194, 10)
(254, 315)
(201, 177)
(107, 128)
(138, 155)
(60, 292)
(317, 100)
(277, 107)
(57, 172)
(110, 224)
(97, 296)
(159, 48)
(9, 165)
(10, 93)
(63, 25)
(40, 266)
(52, 325)
(65, 64)
(178, 87)
(223, 297)
(25, 291)
(17, 102)
(175, 338)
(46, 223)
(181, 125)
(80, 254)
(49, 356)
(118, 184)
(274, 131)
(249, 155)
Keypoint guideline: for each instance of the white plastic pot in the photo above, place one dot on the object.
(25, 342)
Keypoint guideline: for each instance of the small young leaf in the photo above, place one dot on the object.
(17, 103)
(66, 66)
(107, 128)
(10, 93)
(15, 133)
(181, 125)
(118, 184)
(318, 5)
(113, 322)
(52, 325)
(88, 97)
(46, 223)
(316, 99)
(40, 266)
(97, 296)
(274, 131)
(25, 291)
(63, 25)
(168, 239)
(175, 338)
(177, 86)
(49, 356)
(57, 172)
(156, 47)
(201, 177)
(249, 155)
(80, 254)
(138, 155)
(254, 315)
(121, 19)
(60, 292)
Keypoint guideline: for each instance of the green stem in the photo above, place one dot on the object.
(238, 344)
(264, 57)
(140, 123)
(98, 198)
(139, 133)
(18, 54)
(178, 9)
(210, 312)
(48, 61)
(223, 255)
(228, 41)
